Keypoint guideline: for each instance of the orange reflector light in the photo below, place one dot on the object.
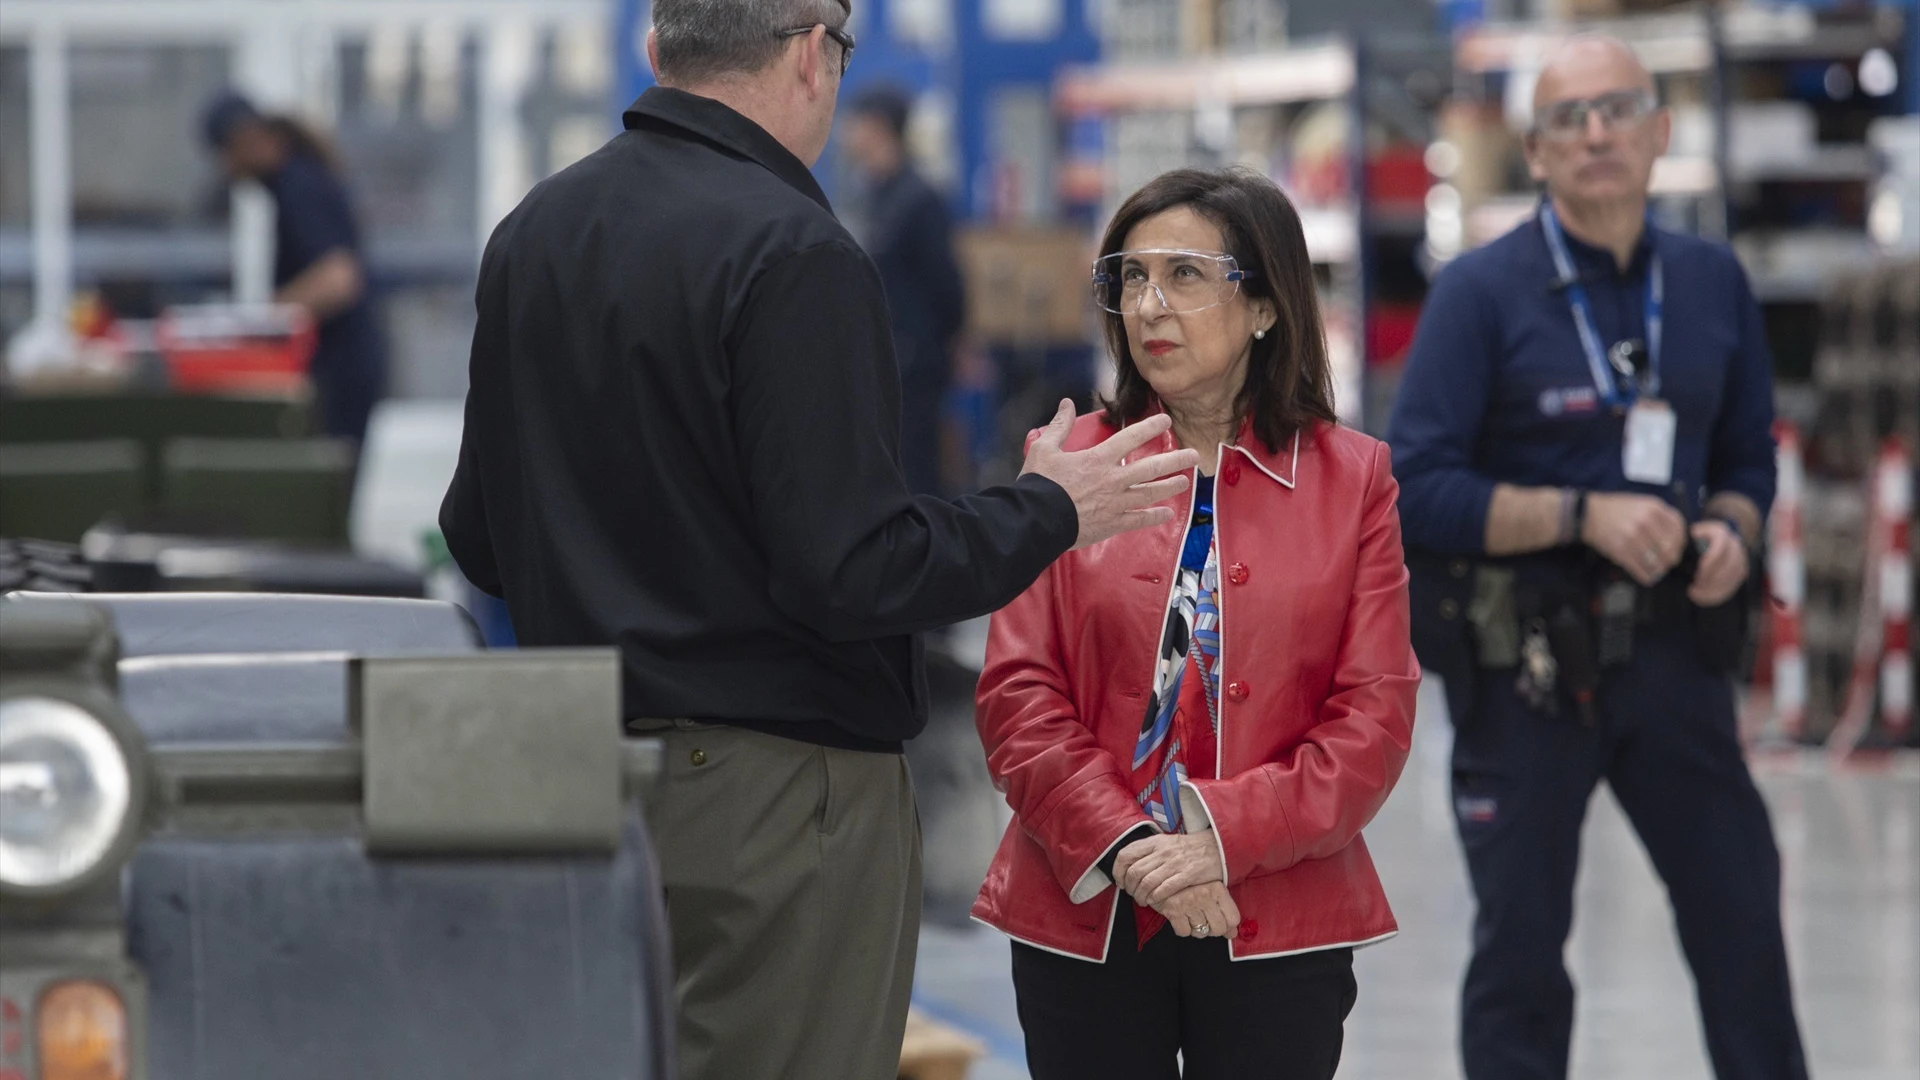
(82, 1033)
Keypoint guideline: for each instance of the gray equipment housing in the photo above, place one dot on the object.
(531, 943)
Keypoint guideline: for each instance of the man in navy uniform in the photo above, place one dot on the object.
(906, 229)
(1583, 443)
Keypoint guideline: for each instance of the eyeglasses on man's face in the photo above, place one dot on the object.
(1566, 121)
(845, 39)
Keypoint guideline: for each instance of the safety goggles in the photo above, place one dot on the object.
(1566, 121)
(1182, 281)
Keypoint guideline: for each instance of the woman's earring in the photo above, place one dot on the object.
(1259, 335)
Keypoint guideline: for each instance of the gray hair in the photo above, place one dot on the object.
(699, 40)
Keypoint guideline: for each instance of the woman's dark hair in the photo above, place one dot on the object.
(304, 140)
(1289, 380)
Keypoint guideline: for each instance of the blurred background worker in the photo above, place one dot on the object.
(317, 261)
(904, 226)
(1586, 414)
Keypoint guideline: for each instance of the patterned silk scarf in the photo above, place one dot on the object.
(1178, 734)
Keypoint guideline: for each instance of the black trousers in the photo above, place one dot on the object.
(1665, 743)
(1128, 1018)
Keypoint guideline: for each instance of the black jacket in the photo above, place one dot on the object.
(682, 438)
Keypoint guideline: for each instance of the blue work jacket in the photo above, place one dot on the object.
(1498, 390)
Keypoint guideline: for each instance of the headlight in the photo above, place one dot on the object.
(66, 794)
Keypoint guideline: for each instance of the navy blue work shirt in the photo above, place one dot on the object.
(313, 218)
(909, 236)
(1497, 389)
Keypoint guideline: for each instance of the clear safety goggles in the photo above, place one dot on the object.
(1565, 121)
(1182, 281)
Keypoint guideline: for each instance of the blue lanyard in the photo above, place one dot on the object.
(1603, 379)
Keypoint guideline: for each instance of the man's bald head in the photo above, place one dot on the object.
(1597, 125)
(1586, 65)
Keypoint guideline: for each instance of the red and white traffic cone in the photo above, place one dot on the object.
(1886, 604)
(1893, 483)
(1787, 584)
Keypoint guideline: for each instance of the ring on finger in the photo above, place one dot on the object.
(1201, 930)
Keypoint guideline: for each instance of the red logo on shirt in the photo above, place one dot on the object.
(1569, 401)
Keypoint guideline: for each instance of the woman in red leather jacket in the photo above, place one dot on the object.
(1205, 713)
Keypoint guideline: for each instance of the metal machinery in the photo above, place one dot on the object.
(231, 844)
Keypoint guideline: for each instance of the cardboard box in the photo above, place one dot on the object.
(1028, 286)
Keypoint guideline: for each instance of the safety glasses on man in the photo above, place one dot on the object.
(1183, 281)
(1565, 121)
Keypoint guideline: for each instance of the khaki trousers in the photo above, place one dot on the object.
(792, 876)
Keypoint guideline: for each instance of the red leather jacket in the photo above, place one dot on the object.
(1316, 714)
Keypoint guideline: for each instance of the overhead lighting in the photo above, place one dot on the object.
(1838, 82)
(1886, 221)
(1879, 75)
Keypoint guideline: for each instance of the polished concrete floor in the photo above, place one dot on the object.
(1850, 842)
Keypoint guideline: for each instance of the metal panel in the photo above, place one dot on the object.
(499, 752)
(179, 624)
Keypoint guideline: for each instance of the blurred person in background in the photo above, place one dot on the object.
(907, 232)
(1583, 441)
(683, 439)
(1208, 712)
(317, 261)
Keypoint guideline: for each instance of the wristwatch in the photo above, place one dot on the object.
(1576, 515)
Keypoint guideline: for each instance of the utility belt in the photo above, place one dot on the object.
(1555, 622)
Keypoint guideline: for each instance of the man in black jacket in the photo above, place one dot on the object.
(682, 438)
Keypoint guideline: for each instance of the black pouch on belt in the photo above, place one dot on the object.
(1573, 650)
(1616, 606)
(1554, 598)
(1440, 587)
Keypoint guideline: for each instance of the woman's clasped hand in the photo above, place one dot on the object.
(1181, 876)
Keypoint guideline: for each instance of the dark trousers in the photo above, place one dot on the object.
(1665, 743)
(1126, 1019)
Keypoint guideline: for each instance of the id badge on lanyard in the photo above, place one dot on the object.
(1646, 453)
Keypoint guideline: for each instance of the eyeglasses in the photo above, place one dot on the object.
(845, 39)
(1185, 281)
(1565, 121)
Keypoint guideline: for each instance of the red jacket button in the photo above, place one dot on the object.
(1237, 573)
(1237, 690)
(1231, 474)
(1248, 928)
